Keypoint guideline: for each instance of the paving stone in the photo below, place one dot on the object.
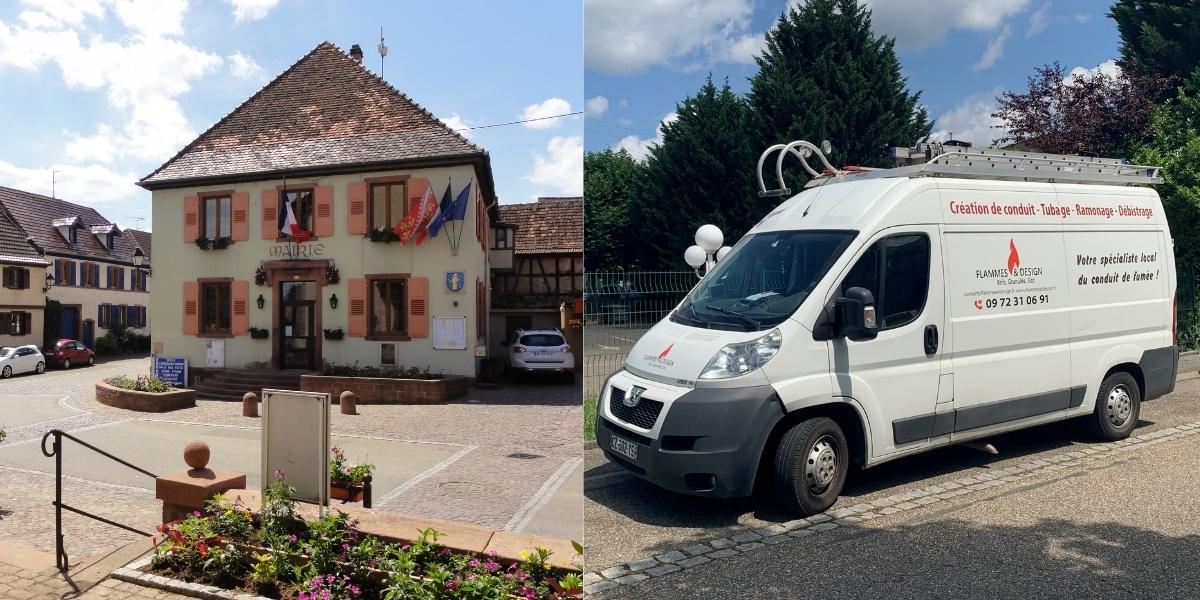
(746, 536)
(693, 561)
(614, 572)
(643, 564)
(821, 518)
(847, 520)
(596, 588)
(747, 547)
(775, 539)
(823, 527)
(797, 524)
(770, 530)
(906, 506)
(631, 578)
(672, 556)
(727, 552)
(799, 533)
(663, 570)
(695, 549)
(591, 578)
(720, 543)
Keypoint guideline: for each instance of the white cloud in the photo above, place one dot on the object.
(548, 108)
(595, 106)
(745, 48)
(995, 49)
(459, 124)
(971, 120)
(561, 168)
(1039, 20)
(640, 147)
(92, 185)
(152, 18)
(1108, 67)
(917, 24)
(251, 10)
(629, 36)
(244, 67)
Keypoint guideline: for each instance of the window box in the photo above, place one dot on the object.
(384, 234)
(259, 333)
(334, 334)
(207, 243)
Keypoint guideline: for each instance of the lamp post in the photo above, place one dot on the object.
(707, 251)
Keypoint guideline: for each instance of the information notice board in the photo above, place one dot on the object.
(449, 333)
(171, 369)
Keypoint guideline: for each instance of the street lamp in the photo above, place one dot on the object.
(139, 258)
(708, 249)
(49, 283)
(333, 301)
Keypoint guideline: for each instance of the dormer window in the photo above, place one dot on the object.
(72, 235)
(106, 235)
(68, 228)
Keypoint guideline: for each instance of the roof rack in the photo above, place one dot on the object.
(944, 160)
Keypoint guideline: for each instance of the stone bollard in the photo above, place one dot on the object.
(250, 405)
(184, 492)
(348, 402)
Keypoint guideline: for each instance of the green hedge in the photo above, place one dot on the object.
(120, 340)
(398, 372)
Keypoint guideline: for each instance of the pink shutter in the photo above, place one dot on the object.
(191, 219)
(270, 214)
(240, 227)
(356, 218)
(357, 325)
(418, 307)
(240, 296)
(323, 218)
(191, 308)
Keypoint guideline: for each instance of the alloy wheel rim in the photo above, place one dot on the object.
(820, 466)
(1120, 406)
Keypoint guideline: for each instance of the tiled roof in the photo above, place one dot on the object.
(325, 111)
(13, 247)
(35, 214)
(142, 239)
(548, 226)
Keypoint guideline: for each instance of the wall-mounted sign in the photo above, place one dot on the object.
(295, 442)
(449, 333)
(455, 280)
(171, 369)
(215, 354)
(296, 250)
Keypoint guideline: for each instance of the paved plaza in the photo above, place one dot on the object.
(508, 458)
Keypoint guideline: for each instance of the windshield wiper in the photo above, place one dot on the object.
(734, 313)
(696, 317)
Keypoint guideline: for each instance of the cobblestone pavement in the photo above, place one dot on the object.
(17, 584)
(514, 439)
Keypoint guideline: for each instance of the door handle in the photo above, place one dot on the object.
(931, 340)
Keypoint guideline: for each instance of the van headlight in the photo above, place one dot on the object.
(738, 359)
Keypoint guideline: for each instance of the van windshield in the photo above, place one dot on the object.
(763, 280)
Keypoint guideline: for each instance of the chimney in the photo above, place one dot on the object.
(356, 53)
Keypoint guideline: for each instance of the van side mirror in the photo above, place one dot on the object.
(855, 317)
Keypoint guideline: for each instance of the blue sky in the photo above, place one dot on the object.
(104, 91)
(642, 57)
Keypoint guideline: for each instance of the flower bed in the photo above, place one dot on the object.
(278, 555)
(374, 385)
(145, 394)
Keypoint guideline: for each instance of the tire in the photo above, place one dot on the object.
(91, 360)
(1118, 405)
(811, 463)
(66, 363)
(6, 373)
(40, 368)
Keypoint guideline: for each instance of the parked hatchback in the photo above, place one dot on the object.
(543, 350)
(66, 353)
(20, 359)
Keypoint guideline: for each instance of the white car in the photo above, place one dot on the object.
(21, 359)
(542, 350)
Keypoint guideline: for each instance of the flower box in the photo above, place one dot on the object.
(259, 334)
(207, 243)
(346, 490)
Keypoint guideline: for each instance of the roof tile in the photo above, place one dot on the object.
(552, 225)
(35, 215)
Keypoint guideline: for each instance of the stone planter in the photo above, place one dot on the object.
(144, 401)
(383, 390)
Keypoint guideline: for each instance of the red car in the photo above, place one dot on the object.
(65, 353)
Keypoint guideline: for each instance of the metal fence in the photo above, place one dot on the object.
(618, 307)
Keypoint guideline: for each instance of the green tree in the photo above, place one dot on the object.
(702, 172)
(1175, 146)
(825, 76)
(609, 179)
(1158, 38)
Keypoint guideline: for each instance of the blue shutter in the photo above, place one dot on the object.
(120, 278)
(57, 271)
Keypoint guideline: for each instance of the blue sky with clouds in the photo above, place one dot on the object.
(104, 91)
(642, 57)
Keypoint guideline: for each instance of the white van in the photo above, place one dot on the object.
(888, 312)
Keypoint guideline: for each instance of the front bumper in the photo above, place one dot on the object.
(708, 441)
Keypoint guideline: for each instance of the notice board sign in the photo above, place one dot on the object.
(171, 369)
(449, 333)
(295, 441)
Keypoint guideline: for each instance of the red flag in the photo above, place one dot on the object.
(407, 228)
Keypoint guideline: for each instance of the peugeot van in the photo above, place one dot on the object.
(887, 312)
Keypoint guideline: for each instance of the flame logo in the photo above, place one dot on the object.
(1014, 259)
(666, 352)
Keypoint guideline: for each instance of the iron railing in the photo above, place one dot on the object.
(60, 553)
(619, 306)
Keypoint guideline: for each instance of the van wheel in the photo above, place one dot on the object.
(811, 463)
(1117, 408)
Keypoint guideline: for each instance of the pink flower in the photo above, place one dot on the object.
(474, 562)
(304, 596)
(492, 553)
(292, 538)
(491, 565)
(452, 585)
(526, 592)
(195, 513)
(404, 547)
(345, 547)
(354, 589)
(521, 576)
(471, 576)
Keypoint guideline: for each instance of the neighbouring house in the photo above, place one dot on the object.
(537, 267)
(22, 283)
(99, 273)
(277, 231)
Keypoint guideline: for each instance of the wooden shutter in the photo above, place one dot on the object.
(357, 325)
(418, 307)
(102, 316)
(323, 211)
(26, 323)
(239, 230)
(270, 214)
(356, 214)
(191, 308)
(5, 322)
(58, 271)
(239, 292)
(70, 265)
(191, 219)
(415, 189)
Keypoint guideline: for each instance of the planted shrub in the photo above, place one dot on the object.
(397, 372)
(143, 383)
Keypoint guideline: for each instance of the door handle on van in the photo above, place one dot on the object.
(931, 340)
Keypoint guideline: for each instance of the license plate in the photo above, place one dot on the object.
(541, 353)
(623, 447)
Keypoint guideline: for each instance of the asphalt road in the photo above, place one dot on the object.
(1124, 530)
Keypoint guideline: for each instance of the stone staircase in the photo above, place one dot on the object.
(231, 384)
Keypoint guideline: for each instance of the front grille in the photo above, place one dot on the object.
(644, 415)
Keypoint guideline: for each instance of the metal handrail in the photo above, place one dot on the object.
(55, 451)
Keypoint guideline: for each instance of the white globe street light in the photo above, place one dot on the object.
(695, 256)
(722, 252)
(709, 237)
(707, 251)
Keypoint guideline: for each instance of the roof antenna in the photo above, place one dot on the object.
(53, 183)
(382, 51)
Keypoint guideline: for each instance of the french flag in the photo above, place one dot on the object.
(290, 226)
